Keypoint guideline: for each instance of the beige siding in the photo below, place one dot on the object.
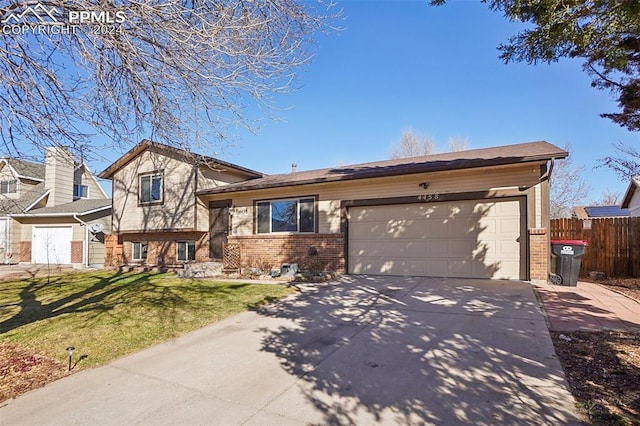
(504, 181)
(634, 205)
(177, 212)
(59, 169)
(82, 176)
(6, 175)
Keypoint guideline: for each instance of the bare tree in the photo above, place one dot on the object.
(412, 145)
(608, 198)
(182, 72)
(458, 143)
(568, 188)
(625, 161)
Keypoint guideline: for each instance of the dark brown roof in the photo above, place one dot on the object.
(502, 155)
(190, 156)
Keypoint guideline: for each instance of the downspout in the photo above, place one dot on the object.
(85, 249)
(547, 174)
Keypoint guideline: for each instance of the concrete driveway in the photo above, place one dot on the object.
(364, 350)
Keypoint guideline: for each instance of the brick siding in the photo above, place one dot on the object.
(76, 251)
(25, 252)
(161, 249)
(538, 254)
(315, 252)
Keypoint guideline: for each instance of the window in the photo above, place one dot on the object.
(8, 186)
(151, 188)
(80, 191)
(139, 251)
(186, 251)
(296, 215)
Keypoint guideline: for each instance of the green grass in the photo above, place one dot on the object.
(106, 315)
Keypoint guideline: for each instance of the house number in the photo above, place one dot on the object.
(428, 197)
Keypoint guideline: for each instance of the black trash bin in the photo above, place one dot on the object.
(569, 255)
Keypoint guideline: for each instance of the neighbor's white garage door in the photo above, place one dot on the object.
(475, 239)
(51, 244)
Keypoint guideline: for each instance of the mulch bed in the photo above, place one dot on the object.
(22, 370)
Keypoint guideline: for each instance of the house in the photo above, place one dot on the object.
(52, 213)
(480, 213)
(600, 212)
(631, 199)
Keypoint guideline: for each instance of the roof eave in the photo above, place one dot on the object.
(70, 214)
(419, 168)
(146, 143)
(631, 190)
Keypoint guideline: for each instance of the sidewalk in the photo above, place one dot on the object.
(588, 307)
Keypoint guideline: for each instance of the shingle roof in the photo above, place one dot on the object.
(606, 211)
(27, 169)
(9, 206)
(197, 158)
(79, 207)
(502, 155)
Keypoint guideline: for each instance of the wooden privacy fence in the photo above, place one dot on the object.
(614, 243)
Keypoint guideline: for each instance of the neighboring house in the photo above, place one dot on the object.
(52, 213)
(480, 213)
(631, 198)
(600, 212)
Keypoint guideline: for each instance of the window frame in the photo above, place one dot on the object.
(151, 175)
(258, 203)
(145, 251)
(80, 185)
(188, 243)
(10, 186)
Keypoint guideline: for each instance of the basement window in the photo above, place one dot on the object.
(186, 251)
(139, 250)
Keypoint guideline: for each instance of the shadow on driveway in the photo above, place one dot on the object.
(408, 350)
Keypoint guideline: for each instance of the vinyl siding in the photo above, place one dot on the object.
(502, 181)
(177, 211)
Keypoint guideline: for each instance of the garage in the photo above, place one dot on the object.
(51, 244)
(467, 239)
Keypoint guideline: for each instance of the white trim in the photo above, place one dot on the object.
(16, 174)
(37, 200)
(59, 214)
(88, 171)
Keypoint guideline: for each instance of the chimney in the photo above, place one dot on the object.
(58, 176)
(294, 167)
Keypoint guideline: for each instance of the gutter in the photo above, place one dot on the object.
(59, 214)
(85, 248)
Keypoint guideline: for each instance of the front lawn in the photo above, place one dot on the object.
(106, 315)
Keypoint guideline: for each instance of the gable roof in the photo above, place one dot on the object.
(26, 200)
(502, 155)
(198, 158)
(633, 186)
(79, 207)
(606, 211)
(25, 169)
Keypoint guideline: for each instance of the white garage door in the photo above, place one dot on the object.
(51, 244)
(474, 239)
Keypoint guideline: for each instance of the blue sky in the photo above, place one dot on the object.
(404, 64)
